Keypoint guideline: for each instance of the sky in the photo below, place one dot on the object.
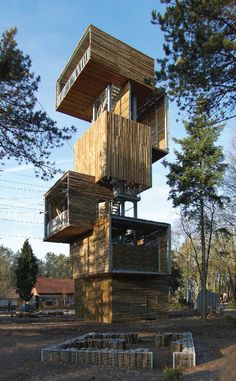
(48, 31)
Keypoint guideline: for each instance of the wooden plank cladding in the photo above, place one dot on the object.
(97, 253)
(111, 299)
(71, 206)
(115, 147)
(120, 263)
(154, 114)
(91, 254)
(140, 245)
(135, 258)
(123, 106)
(120, 57)
(139, 297)
(93, 299)
(99, 59)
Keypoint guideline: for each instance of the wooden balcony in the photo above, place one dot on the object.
(122, 245)
(140, 246)
(71, 207)
(98, 60)
(57, 223)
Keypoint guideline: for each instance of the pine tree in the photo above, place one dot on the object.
(26, 271)
(194, 179)
(200, 53)
(26, 135)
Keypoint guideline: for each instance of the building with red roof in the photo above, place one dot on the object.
(54, 292)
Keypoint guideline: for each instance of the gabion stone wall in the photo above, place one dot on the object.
(101, 349)
(115, 350)
(182, 347)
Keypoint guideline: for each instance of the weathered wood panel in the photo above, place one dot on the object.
(91, 254)
(78, 195)
(123, 106)
(138, 298)
(120, 57)
(115, 147)
(133, 258)
(155, 117)
(93, 299)
(84, 195)
(161, 118)
(99, 59)
(113, 299)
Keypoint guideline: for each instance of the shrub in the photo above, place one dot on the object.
(172, 374)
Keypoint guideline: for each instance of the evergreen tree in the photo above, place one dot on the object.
(194, 178)
(200, 53)
(26, 271)
(26, 135)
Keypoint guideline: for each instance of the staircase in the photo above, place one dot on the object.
(102, 101)
(115, 93)
(115, 208)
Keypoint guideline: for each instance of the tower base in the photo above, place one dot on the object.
(114, 298)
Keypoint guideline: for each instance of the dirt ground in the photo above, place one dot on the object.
(22, 339)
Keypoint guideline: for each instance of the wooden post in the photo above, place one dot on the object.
(156, 122)
(134, 107)
(130, 112)
(166, 123)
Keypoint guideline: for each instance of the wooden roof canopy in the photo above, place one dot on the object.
(79, 183)
(100, 59)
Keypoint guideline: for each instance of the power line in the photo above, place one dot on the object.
(21, 189)
(72, 148)
(20, 207)
(21, 222)
(12, 173)
(19, 182)
(20, 198)
(19, 236)
(20, 212)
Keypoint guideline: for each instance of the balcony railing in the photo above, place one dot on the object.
(58, 222)
(76, 72)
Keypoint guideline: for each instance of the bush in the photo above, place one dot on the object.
(172, 374)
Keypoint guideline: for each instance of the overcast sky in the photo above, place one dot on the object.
(48, 30)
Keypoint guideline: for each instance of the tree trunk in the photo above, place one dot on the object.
(232, 286)
(204, 270)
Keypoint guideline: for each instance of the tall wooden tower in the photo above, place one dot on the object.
(120, 263)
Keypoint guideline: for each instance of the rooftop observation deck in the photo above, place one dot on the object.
(100, 59)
